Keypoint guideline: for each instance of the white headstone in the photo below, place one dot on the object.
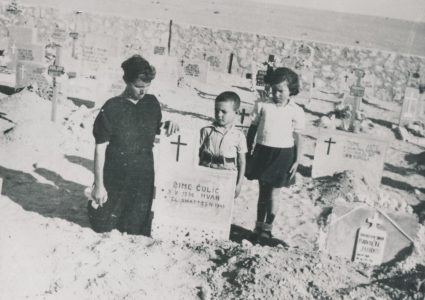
(98, 54)
(409, 109)
(192, 203)
(195, 70)
(30, 52)
(337, 151)
(31, 72)
(22, 34)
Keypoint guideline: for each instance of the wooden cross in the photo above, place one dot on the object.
(178, 143)
(329, 142)
(56, 70)
(243, 114)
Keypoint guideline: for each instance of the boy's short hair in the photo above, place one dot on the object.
(229, 97)
(138, 67)
(284, 74)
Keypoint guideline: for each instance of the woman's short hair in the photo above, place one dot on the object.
(284, 74)
(138, 67)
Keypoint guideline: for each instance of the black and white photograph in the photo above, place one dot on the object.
(212, 149)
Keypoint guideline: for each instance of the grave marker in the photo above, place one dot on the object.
(31, 72)
(159, 50)
(217, 61)
(26, 52)
(348, 237)
(337, 151)
(194, 70)
(192, 203)
(354, 99)
(409, 110)
(74, 35)
(59, 35)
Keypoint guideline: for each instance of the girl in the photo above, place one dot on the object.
(276, 124)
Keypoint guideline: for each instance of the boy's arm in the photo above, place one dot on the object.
(99, 192)
(241, 173)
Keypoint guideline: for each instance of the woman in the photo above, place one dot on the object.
(124, 131)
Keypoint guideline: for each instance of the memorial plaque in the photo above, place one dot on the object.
(22, 35)
(26, 52)
(260, 78)
(370, 243)
(192, 203)
(98, 53)
(337, 151)
(159, 50)
(195, 70)
(59, 35)
(357, 91)
(217, 61)
(349, 236)
(31, 72)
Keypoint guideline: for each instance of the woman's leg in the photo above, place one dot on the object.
(263, 201)
(273, 207)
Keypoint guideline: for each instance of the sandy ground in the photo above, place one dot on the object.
(48, 251)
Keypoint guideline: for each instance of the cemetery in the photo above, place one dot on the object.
(352, 226)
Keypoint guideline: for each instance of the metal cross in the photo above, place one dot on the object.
(329, 142)
(178, 143)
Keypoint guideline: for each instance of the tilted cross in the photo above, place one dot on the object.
(243, 114)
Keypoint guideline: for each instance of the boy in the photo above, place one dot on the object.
(223, 146)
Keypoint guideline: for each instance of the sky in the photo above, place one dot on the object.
(412, 10)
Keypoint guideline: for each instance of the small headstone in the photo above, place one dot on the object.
(192, 203)
(349, 234)
(59, 35)
(409, 109)
(259, 79)
(195, 70)
(31, 72)
(337, 151)
(159, 50)
(22, 35)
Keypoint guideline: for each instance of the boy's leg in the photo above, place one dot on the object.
(273, 207)
(263, 201)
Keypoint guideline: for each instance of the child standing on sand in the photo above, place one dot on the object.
(277, 123)
(223, 146)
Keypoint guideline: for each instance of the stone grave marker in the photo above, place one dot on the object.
(218, 62)
(98, 54)
(354, 99)
(409, 109)
(159, 50)
(192, 203)
(31, 72)
(337, 151)
(365, 234)
(30, 52)
(59, 35)
(259, 79)
(195, 69)
(243, 120)
(22, 35)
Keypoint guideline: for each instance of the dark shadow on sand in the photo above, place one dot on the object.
(186, 113)
(84, 162)
(399, 170)
(65, 199)
(400, 185)
(238, 233)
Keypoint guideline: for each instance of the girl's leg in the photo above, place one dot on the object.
(263, 201)
(273, 207)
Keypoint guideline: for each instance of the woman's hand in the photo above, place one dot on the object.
(238, 190)
(171, 127)
(99, 194)
(293, 169)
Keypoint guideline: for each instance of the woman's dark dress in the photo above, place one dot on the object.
(128, 172)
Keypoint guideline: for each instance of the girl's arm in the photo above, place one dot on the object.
(252, 131)
(298, 146)
(99, 192)
(241, 173)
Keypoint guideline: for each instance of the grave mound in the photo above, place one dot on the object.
(346, 185)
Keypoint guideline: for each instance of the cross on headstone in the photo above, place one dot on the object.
(329, 142)
(243, 114)
(375, 221)
(178, 143)
(55, 70)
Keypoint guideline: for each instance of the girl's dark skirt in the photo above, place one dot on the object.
(271, 165)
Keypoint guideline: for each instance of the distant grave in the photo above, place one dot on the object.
(98, 53)
(159, 50)
(192, 203)
(22, 35)
(218, 62)
(194, 70)
(354, 99)
(31, 72)
(413, 106)
(364, 234)
(59, 35)
(337, 151)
